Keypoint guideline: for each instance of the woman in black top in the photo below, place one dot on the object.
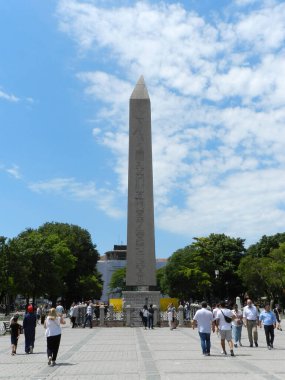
(15, 334)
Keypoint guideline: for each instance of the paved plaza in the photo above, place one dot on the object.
(134, 353)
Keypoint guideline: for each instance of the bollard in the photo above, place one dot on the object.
(181, 315)
(128, 315)
(102, 315)
(111, 312)
(155, 315)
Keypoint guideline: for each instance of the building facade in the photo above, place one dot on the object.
(112, 261)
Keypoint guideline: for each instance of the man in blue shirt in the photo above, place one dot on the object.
(267, 317)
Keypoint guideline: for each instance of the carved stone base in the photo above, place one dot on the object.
(133, 302)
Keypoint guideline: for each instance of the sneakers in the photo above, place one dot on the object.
(235, 345)
(224, 352)
(49, 360)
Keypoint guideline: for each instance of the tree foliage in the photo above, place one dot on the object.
(264, 275)
(190, 272)
(117, 283)
(55, 260)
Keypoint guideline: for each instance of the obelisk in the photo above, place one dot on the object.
(141, 264)
(140, 242)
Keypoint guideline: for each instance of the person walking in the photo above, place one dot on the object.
(150, 317)
(59, 308)
(53, 334)
(215, 310)
(89, 315)
(171, 316)
(29, 326)
(204, 319)
(237, 323)
(224, 320)
(276, 311)
(268, 318)
(145, 315)
(251, 320)
(15, 333)
(73, 312)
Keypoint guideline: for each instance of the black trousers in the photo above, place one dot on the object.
(144, 319)
(53, 346)
(269, 333)
(73, 319)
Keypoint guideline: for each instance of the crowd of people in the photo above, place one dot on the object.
(228, 323)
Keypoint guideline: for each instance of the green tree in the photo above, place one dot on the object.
(45, 261)
(263, 247)
(190, 272)
(264, 275)
(118, 281)
(83, 281)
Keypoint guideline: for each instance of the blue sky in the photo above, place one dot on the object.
(215, 74)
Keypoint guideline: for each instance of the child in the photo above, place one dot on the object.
(15, 333)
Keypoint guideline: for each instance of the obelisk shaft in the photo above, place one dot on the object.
(141, 268)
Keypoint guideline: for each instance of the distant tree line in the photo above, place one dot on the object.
(220, 267)
(55, 260)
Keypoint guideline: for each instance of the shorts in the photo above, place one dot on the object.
(226, 335)
(14, 340)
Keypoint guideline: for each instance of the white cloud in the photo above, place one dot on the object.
(218, 106)
(9, 97)
(68, 187)
(14, 171)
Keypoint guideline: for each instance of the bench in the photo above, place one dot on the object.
(4, 328)
(7, 327)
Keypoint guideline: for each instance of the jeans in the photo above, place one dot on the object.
(236, 330)
(150, 321)
(205, 342)
(89, 319)
(269, 333)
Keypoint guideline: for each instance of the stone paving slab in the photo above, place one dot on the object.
(138, 354)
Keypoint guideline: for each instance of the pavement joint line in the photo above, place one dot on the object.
(237, 361)
(151, 370)
(47, 371)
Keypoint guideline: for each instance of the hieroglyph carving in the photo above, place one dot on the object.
(140, 200)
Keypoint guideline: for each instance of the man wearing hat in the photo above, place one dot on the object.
(29, 326)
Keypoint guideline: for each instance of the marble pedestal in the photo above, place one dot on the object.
(134, 302)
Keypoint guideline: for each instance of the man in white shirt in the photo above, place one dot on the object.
(88, 315)
(251, 320)
(224, 322)
(204, 319)
(59, 309)
(216, 309)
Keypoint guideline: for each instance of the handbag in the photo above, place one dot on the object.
(227, 319)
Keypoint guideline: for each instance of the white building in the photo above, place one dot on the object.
(113, 260)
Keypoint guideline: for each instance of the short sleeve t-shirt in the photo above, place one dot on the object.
(52, 327)
(223, 325)
(204, 320)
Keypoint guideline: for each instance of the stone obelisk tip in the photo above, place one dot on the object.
(140, 90)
